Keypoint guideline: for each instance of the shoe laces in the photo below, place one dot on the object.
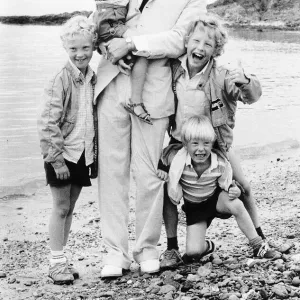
(172, 254)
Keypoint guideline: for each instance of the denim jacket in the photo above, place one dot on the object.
(57, 115)
(223, 95)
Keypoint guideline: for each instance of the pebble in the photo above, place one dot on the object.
(280, 291)
(2, 275)
(193, 278)
(296, 281)
(166, 289)
(5, 239)
(233, 297)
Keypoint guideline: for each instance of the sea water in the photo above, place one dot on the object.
(29, 56)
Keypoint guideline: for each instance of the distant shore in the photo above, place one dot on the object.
(58, 19)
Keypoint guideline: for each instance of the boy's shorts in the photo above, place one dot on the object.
(79, 174)
(204, 211)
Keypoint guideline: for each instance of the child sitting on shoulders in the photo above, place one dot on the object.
(66, 127)
(110, 18)
(203, 177)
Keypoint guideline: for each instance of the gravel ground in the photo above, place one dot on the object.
(229, 273)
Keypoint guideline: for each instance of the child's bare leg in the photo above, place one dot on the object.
(195, 239)
(74, 194)
(138, 77)
(170, 216)
(60, 210)
(238, 210)
(248, 199)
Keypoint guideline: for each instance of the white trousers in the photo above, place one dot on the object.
(124, 142)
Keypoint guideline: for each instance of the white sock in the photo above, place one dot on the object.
(57, 257)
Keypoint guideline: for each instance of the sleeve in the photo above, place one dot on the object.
(110, 22)
(49, 118)
(169, 152)
(225, 179)
(247, 93)
(168, 43)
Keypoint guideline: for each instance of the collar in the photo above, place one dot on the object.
(77, 74)
(183, 60)
(213, 163)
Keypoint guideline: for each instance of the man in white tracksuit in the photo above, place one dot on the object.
(157, 33)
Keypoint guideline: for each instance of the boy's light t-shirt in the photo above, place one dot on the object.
(191, 100)
(198, 189)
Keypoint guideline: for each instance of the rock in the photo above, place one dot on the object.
(284, 248)
(2, 274)
(205, 270)
(296, 258)
(106, 294)
(193, 278)
(233, 297)
(186, 286)
(177, 277)
(280, 291)
(167, 288)
(169, 296)
(296, 281)
(5, 239)
(217, 261)
(251, 262)
(186, 298)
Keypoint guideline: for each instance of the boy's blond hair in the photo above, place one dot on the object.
(197, 127)
(215, 23)
(78, 25)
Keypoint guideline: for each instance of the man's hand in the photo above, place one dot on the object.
(236, 74)
(162, 175)
(234, 192)
(62, 172)
(124, 67)
(116, 49)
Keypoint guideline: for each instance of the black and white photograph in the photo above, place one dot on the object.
(149, 149)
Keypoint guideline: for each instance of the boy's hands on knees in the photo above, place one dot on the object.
(234, 192)
(162, 175)
(236, 74)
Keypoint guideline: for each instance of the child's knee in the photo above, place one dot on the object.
(62, 211)
(236, 207)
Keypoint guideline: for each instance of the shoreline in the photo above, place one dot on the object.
(29, 186)
(59, 19)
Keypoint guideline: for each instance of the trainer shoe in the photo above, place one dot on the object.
(264, 251)
(150, 266)
(170, 259)
(60, 273)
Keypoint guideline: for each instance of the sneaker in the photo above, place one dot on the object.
(170, 259)
(60, 273)
(73, 271)
(150, 266)
(110, 271)
(264, 251)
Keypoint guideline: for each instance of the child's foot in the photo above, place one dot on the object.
(170, 259)
(139, 110)
(264, 251)
(60, 273)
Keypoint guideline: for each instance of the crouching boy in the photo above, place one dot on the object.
(203, 177)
